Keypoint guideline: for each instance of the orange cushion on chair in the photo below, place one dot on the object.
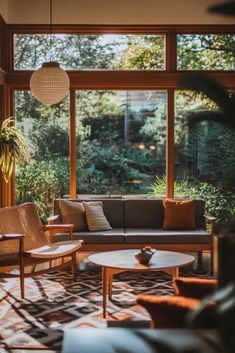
(179, 214)
(172, 311)
(196, 288)
(167, 311)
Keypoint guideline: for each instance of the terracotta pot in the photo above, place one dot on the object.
(144, 255)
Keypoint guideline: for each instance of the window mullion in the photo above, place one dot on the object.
(170, 145)
(72, 145)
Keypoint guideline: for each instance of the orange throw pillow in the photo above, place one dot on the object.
(179, 214)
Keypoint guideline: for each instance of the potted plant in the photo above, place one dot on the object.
(13, 148)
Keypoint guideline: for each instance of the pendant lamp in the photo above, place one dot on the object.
(50, 83)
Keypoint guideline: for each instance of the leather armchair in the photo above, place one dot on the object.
(170, 311)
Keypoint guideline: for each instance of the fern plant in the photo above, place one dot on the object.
(13, 148)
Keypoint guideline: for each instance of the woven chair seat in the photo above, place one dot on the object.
(54, 251)
(9, 259)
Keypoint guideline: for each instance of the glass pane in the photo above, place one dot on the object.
(121, 139)
(204, 157)
(47, 128)
(190, 142)
(205, 52)
(203, 152)
(87, 52)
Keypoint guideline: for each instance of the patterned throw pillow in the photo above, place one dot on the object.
(179, 214)
(73, 213)
(95, 217)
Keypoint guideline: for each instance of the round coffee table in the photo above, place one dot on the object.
(113, 262)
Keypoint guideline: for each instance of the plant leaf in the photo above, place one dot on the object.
(208, 115)
(226, 8)
(13, 147)
(211, 88)
(216, 92)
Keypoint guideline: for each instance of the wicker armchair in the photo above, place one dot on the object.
(23, 243)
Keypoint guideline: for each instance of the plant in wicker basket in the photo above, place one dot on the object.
(13, 148)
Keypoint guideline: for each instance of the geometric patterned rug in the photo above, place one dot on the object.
(54, 303)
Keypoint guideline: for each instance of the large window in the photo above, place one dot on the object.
(90, 52)
(128, 117)
(121, 143)
(121, 138)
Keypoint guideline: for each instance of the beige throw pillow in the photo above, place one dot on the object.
(95, 217)
(73, 213)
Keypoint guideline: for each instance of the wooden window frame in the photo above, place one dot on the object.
(114, 80)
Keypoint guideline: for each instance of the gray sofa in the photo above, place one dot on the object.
(138, 222)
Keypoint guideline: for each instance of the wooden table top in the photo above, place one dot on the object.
(125, 260)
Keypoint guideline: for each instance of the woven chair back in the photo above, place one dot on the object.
(22, 219)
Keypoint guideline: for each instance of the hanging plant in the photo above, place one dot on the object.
(13, 148)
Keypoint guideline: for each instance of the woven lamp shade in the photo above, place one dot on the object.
(50, 83)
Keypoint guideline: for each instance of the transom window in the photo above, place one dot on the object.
(90, 52)
(206, 52)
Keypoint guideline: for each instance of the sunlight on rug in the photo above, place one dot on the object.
(54, 303)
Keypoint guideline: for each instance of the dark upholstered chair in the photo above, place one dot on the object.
(170, 311)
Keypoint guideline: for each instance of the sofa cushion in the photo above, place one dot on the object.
(113, 236)
(179, 214)
(143, 213)
(199, 214)
(95, 217)
(73, 213)
(161, 236)
(113, 210)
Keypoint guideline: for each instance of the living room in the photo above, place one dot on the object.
(127, 166)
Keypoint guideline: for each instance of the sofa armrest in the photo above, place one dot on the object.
(53, 219)
(197, 288)
(210, 219)
(54, 229)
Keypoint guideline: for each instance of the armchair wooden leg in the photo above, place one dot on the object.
(74, 266)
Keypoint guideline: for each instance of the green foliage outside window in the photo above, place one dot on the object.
(205, 52)
(106, 161)
(37, 182)
(86, 52)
